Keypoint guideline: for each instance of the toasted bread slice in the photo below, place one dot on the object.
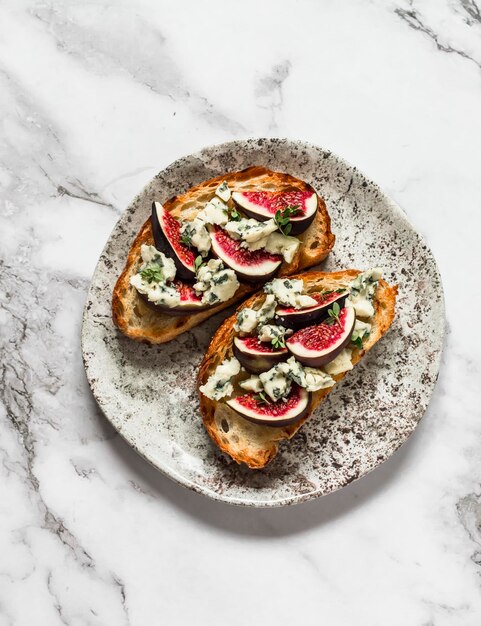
(253, 444)
(140, 321)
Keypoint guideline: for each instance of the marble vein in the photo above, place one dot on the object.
(150, 65)
(48, 156)
(473, 11)
(418, 22)
(269, 90)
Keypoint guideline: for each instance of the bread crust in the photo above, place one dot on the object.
(139, 322)
(257, 445)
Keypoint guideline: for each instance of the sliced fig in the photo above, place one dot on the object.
(188, 298)
(319, 344)
(297, 318)
(257, 356)
(166, 231)
(190, 302)
(285, 411)
(251, 266)
(263, 205)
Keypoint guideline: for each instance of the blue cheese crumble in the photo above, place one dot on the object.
(252, 384)
(361, 330)
(310, 378)
(289, 292)
(215, 283)
(219, 384)
(214, 212)
(153, 277)
(223, 192)
(277, 382)
(277, 243)
(248, 319)
(342, 363)
(251, 231)
(197, 235)
(256, 235)
(196, 232)
(362, 290)
(272, 332)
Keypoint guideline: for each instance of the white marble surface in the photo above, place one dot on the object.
(95, 98)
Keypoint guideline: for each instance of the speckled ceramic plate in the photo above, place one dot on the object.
(148, 392)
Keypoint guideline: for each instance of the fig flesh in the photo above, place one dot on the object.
(250, 266)
(317, 345)
(167, 237)
(257, 356)
(263, 205)
(281, 413)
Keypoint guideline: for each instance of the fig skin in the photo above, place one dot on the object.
(253, 280)
(309, 317)
(256, 364)
(163, 243)
(299, 224)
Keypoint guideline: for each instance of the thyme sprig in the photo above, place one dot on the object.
(357, 342)
(186, 239)
(199, 261)
(152, 274)
(328, 293)
(334, 314)
(278, 342)
(283, 218)
(261, 398)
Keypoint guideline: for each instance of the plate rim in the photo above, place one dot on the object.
(171, 473)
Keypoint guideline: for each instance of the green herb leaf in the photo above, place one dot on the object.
(283, 218)
(278, 343)
(329, 292)
(152, 274)
(235, 215)
(334, 314)
(199, 261)
(292, 210)
(185, 239)
(357, 342)
(262, 399)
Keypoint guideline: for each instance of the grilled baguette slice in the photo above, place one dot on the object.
(140, 321)
(253, 444)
